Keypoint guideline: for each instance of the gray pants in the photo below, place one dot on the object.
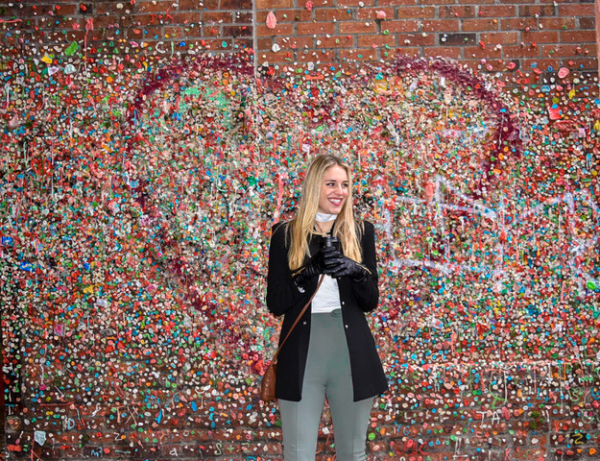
(327, 374)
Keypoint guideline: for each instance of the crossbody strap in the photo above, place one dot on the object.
(298, 318)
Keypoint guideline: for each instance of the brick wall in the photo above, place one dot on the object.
(516, 33)
(493, 35)
(135, 327)
(132, 25)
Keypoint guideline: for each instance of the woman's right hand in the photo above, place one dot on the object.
(314, 268)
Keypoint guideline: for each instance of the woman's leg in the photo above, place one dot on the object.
(300, 420)
(350, 424)
(350, 419)
(300, 425)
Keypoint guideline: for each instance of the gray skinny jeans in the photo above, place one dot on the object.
(327, 373)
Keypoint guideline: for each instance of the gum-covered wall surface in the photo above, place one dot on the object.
(141, 172)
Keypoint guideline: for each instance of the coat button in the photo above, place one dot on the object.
(346, 325)
(303, 323)
(343, 303)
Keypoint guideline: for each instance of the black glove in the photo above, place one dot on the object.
(337, 265)
(314, 268)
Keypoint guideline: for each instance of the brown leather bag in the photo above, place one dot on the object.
(267, 385)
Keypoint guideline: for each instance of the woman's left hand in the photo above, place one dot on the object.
(337, 265)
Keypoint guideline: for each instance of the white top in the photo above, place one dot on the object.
(327, 298)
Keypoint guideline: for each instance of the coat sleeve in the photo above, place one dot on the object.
(282, 293)
(367, 291)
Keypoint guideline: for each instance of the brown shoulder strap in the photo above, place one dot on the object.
(298, 318)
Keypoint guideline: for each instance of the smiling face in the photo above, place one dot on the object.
(334, 190)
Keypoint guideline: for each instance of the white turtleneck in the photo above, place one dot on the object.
(324, 217)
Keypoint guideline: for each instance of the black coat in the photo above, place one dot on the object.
(284, 298)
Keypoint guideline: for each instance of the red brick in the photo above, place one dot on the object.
(237, 31)
(540, 10)
(236, 5)
(343, 41)
(580, 9)
(587, 23)
(366, 41)
(241, 17)
(79, 36)
(264, 43)
(191, 5)
(209, 17)
(216, 44)
(412, 52)
(458, 39)
(452, 52)
(401, 26)
(184, 18)
(557, 23)
(417, 12)
(316, 55)
(435, 3)
(295, 15)
(209, 31)
(104, 21)
(441, 25)
(109, 8)
(499, 38)
(562, 51)
(280, 30)
(273, 4)
(18, 10)
(360, 54)
(65, 10)
(300, 43)
(497, 11)
(361, 27)
(158, 6)
(371, 13)
(540, 36)
(398, 3)
(585, 64)
(476, 52)
(317, 4)
(315, 28)
(456, 11)
(517, 51)
(152, 32)
(271, 58)
(532, 23)
(477, 25)
(343, 3)
(329, 14)
(173, 32)
(580, 36)
(416, 39)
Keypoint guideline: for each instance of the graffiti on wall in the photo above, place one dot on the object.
(136, 207)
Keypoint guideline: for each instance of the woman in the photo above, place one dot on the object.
(331, 352)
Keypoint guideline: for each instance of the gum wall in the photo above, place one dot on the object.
(149, 146)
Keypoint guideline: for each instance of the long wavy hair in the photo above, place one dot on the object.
(301, 228)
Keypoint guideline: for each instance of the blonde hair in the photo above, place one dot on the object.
(300, 229)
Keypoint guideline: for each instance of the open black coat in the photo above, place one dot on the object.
(284, 298)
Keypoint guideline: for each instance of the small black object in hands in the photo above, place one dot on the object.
(330, 241)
